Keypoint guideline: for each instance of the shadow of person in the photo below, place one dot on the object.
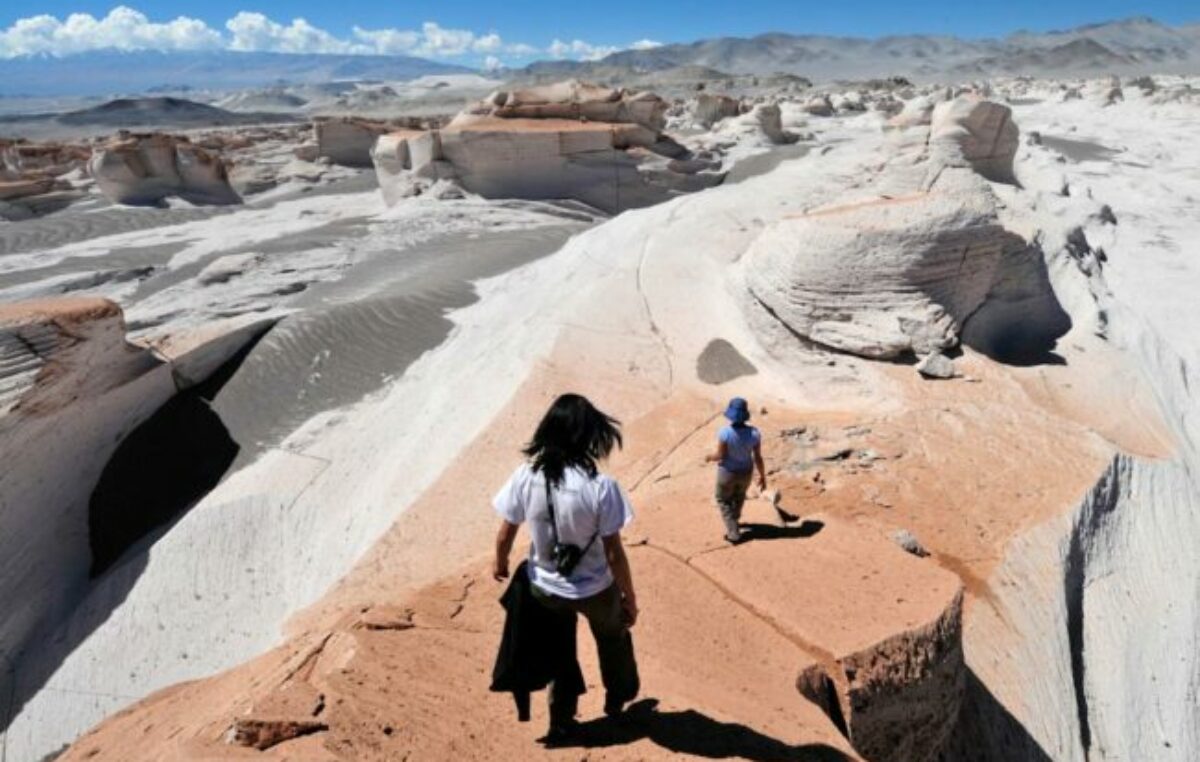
(692, 733)
(806, 528)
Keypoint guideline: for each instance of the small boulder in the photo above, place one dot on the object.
(936, 365)
(906, 540)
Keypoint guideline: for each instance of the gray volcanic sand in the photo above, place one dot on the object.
(136, 260)
(1079, 150)
(721, 362)
(305, 240)
(78, 224)
(356, 333)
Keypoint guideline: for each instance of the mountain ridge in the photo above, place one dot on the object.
(1134, 45)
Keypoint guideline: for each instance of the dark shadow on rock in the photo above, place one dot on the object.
(691, 733)
(806, 528)
(988, 732)
(161, 469)
(1021, 320)
(721, 362)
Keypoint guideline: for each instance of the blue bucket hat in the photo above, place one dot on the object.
(738, 410)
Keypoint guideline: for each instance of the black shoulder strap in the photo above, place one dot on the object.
(554, 521)
(550, 507)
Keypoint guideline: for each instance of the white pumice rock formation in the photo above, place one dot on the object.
(523, 145)
(344, 140)
(884, 277)
(819, 105)
(71, 389)
(709, 108)
(762, 123)
(902, 271)
(982, 132)
(147, 169)
(572, 99)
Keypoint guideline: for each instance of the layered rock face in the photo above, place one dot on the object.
(23, 159)
(72, 388)
(348, 140)
(901, 272)
(887, 277)
(523, 145)
(32, 176)
(710, 109)
(981, 132)
(576, 100)
(147, 169)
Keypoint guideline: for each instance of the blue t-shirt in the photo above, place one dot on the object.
(739, 442)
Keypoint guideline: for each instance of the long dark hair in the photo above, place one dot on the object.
(573, 433)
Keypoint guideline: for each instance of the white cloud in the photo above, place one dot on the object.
(122, 29)
(127, 29)
(580, 50)
(254, 31)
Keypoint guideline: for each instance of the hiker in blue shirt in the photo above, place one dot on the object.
(739, 452)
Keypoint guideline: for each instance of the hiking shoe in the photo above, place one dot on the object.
(613, 707)
(558, 735)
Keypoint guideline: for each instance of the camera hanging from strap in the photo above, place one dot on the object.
(566, 556)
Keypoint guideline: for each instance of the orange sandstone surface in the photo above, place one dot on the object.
(819, 638)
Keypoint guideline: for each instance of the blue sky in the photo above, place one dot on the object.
(507, 32)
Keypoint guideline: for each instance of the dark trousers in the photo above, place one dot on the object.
(618, 668)
(731, 496)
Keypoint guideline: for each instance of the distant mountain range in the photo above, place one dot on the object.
(1129, 46)
(1132, 45)
(127, 73)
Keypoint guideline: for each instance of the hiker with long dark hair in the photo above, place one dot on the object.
(576, 564)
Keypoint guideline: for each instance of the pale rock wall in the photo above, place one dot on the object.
(1086, 648)
(898, 701)
(884, 278)
(708, 109)
(901, 268)
(612, 167)
(576, 100)
(71, 389)
(348, 140)
(146, 169)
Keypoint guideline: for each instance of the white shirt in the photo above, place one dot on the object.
(584, 508)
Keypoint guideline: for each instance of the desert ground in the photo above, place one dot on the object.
(266, 355)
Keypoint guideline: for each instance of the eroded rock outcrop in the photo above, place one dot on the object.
(595, 145)
(347, 140)
(709, 109)
(899, 700)
(902, 272)
(72, 388)
(763, 122)
(981, 132)
(147, 169)
(576, 100)
(885, 277)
